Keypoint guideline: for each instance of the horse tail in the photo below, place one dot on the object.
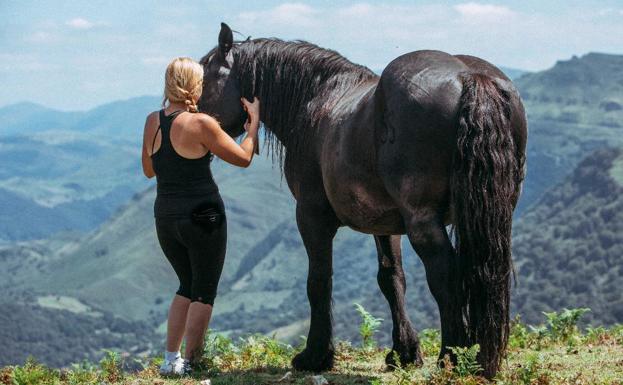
(486, 179)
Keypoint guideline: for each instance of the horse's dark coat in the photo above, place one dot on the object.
(435, 140)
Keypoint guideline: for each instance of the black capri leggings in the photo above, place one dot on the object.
(197, 254)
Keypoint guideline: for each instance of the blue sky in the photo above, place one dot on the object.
(74, 55)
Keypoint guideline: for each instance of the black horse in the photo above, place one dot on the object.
(436, 140)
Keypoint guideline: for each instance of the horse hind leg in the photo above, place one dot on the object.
(430, 241)
(391, 279)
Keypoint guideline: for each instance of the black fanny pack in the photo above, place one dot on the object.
(209, 216)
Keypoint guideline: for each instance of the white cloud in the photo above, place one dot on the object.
(80, 23)
(294, 14)
(489, 12)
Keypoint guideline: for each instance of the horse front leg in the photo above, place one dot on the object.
(317, 225)
(391, 279)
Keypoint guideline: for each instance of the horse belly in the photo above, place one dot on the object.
(365, 207)
(356, 193)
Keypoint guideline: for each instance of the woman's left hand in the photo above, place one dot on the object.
(252, 109)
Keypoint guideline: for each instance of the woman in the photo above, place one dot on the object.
(177, 147)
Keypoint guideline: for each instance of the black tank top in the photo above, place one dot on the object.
(182, 183)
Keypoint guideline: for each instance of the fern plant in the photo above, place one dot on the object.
(33, 373)
(111, 367)
(369, 325)
(529, 371)
(466, 360)
(541, 335)
(519, 335)
(430, 341)
(563, 326)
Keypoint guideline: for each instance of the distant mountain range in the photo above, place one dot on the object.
(119, 120)
(584, 90)
(588, 88)
(118, 268)
(68, 170)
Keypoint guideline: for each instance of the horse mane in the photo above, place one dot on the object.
(302, 83)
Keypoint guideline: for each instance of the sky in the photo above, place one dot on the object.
(75, 55)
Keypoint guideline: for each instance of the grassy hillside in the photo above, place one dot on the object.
(555, 353)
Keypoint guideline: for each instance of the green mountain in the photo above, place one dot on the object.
(60, 180)
(68, 170)
(58, 337)
(569, 246)
(583, 90)
(513, 73)
(588, 88)
(27, 118)
(117, 120)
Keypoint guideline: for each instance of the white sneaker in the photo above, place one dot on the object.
(179, 366)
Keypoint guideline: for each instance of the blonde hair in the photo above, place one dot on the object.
(183, 82)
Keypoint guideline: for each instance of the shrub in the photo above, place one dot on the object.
(596, 335)
(466, 360)
(430, 341)
(33, 373)
(540, 335)
(111, 367)
(519, 335)
(369, 325)
(563, 326)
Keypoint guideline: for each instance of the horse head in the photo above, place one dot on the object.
(221, 93)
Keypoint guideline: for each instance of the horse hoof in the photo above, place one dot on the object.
(309, 362)
(411, 355)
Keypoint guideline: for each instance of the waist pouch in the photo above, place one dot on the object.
(207, 215)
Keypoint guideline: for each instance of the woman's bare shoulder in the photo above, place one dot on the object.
(152, 120)
(205, 122)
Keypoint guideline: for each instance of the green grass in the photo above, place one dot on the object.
(554, 353)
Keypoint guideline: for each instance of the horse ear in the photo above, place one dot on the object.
(225, 39)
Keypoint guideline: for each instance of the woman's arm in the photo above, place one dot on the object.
(226, 148)
(148, 137)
